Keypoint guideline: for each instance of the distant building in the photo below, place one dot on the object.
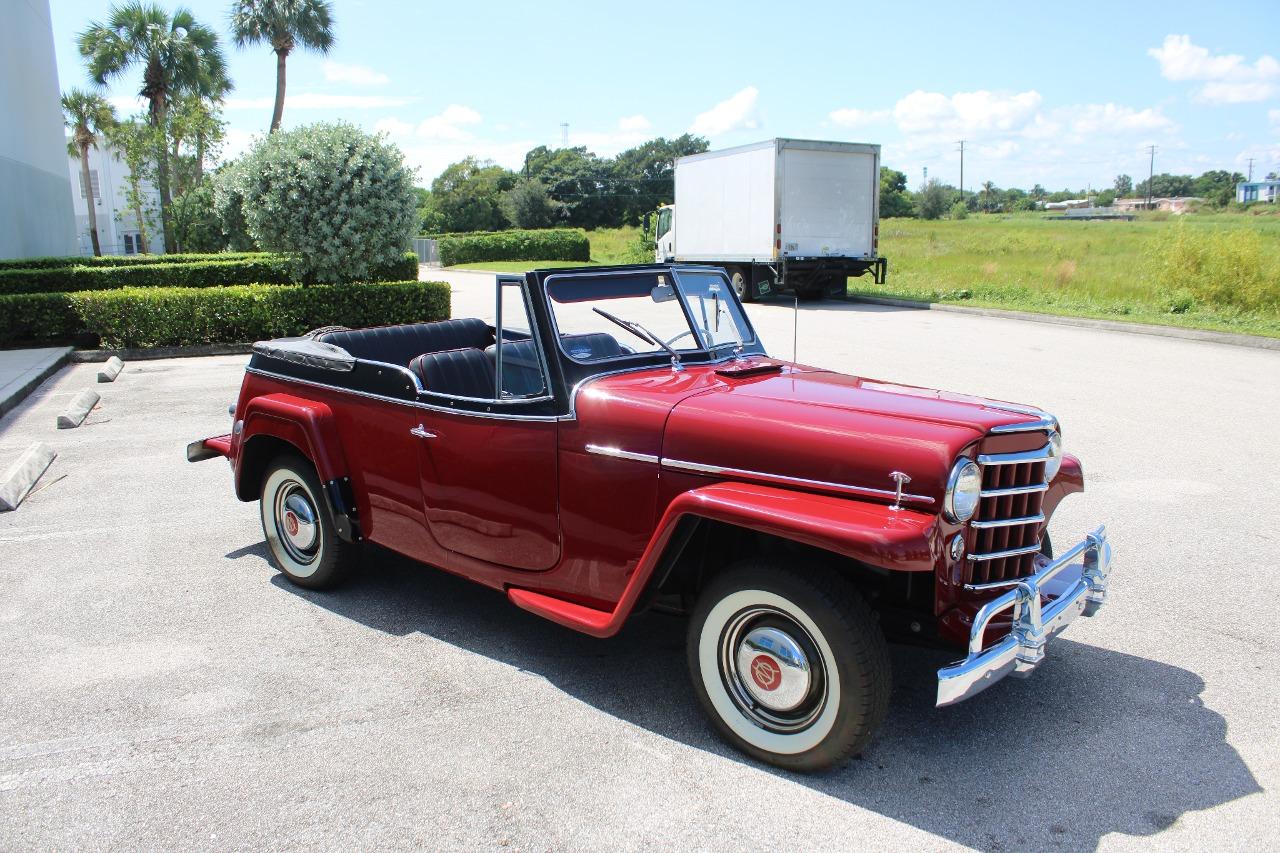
(118, 232)
(35, 197)
(1172, 204)
(1247, 191)
(1069, 204)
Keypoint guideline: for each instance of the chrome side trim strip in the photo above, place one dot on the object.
(1007, 522)
(1016, 458)
(619, 453)
(414, 404)
(1015, 490)
(844, 488)
(1000, 555)
(1047, 423)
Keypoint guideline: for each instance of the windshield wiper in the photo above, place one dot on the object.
(643, 334)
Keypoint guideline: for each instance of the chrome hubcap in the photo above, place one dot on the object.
(775, 669)
(772, 669)
(296, 522)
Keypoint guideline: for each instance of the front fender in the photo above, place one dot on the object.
(1070, 479)
(901, 540)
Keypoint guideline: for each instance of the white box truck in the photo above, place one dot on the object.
(785, 214)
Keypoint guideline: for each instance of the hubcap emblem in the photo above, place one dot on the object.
(291, 523)
(766, 673)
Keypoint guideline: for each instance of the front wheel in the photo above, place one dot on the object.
(791, 668)
(300, 533)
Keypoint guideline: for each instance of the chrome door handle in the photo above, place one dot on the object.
(422, 432)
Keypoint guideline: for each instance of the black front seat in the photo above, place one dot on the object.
(466, 372)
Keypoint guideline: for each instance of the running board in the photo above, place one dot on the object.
(588, 620)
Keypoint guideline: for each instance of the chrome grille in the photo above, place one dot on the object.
(1006, 529)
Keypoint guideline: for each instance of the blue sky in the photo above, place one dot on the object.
(1060, 94)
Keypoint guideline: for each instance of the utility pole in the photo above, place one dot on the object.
(564, 134)
(1251, 169)
(926, 177)
(1151, 174)
(962, 170)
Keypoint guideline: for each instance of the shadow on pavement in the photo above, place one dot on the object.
(1095, 742)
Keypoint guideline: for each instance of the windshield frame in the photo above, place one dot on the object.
(693, 355)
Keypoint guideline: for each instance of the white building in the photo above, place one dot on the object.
(35, 195)
(1249, 191)
(118, 232)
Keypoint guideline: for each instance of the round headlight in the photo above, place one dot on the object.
(964, 488)
(1054, 462)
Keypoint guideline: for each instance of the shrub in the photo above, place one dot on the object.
(337, 201)
(933, 199)
(124, 260)
(959, 210)
(177, 316)
(31, 317)
(1224, 267)
(553, 244)
(266, 270)
(211, 271)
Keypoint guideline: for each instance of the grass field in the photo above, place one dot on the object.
(1192, 271)
(1149, 271)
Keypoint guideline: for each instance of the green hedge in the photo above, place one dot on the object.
(255, 268)
(180, 316)
(125, 260)
(552, 244)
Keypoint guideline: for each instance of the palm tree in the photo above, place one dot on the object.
(988, 190)
(176, 55)
(283, 24)
(88, 115)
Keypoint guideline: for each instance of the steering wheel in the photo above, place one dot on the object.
(684, 334)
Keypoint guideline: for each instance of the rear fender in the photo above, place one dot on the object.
(897, 540)
(309, 427)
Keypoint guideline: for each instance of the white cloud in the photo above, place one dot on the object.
(634, 123)
(853, 118)
(392, 127)
(127, 105)
(319, 101)
(1227, 78)
(739, 112)
(356, 75)
(1112, 118)
(964, 112)
(450, 124)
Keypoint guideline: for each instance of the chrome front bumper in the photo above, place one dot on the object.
(1074, 589)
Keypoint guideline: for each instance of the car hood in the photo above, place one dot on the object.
(828, 427)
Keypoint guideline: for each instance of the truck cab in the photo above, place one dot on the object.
(612, 439)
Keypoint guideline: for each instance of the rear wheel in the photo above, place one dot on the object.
(791, 668)
(299, 531)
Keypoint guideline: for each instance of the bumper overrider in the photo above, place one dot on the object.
(1072, 589)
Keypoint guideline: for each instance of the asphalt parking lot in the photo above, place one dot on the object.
(165, 688)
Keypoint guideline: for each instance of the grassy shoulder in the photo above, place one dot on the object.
(1203, 271)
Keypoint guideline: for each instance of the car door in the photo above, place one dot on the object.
(488, 455)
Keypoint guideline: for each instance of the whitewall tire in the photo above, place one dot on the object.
(297, 526)
(790, 667)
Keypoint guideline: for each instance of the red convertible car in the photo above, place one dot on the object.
(618, 438)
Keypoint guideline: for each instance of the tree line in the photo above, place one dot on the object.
(937, 199)
(556, 186)
(182, 75)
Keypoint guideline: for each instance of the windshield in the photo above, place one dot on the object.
(611, 315)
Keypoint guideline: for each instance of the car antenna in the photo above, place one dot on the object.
(795, 327)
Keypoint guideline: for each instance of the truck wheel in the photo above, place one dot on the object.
(296, 523)
(792, 669)
(742, 283)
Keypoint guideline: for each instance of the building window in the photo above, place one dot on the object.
(130, 246)
(93, 180)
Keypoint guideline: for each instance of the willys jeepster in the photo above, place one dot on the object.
(617, 438)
